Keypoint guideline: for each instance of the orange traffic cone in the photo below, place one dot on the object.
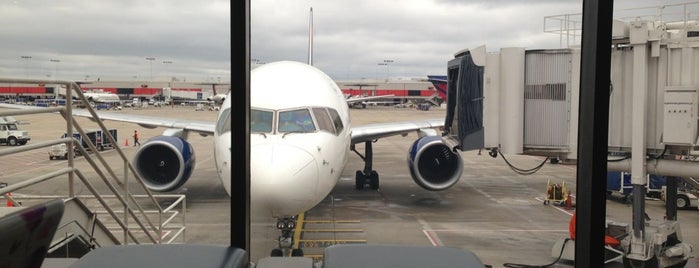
(9, 201)
(569, 201)
(126, 143)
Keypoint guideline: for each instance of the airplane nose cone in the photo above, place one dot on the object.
(284, 179)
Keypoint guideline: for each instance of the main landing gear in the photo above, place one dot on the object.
(286, 239)
(366, 176)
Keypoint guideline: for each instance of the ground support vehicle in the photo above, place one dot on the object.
(98, 138)
(10, 133)
(59, 151)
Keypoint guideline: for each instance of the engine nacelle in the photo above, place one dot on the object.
(433, 165)
(165, 162)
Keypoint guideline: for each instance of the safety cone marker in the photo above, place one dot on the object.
(126, 143)
(9, 201)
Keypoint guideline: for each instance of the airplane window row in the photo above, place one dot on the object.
(299, 120)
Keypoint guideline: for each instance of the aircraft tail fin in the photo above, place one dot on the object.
(310, 38)
(440, 83)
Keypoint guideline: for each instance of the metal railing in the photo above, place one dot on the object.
(152, 231)
(677, 16)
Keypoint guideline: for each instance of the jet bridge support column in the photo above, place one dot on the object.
(639, 39)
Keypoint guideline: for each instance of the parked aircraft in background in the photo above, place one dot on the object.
(217, 98)
(95, 97)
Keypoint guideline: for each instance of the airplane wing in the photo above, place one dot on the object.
(381, 130)
(204, 128)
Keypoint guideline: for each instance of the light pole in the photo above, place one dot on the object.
(151, 59)
(169, 62)
(55, 67)
(387, 63)
(26, 64)
(168, 84)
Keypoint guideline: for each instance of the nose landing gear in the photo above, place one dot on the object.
(286, 239)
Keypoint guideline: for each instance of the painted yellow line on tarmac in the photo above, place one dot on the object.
(333, 221)
(297, 230)
(339, 230)
(322, 243)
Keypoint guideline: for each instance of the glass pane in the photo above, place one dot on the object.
(336, 120)
(323, 119)
(261, 121)
(296, 121)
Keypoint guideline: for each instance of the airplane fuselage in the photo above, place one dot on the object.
(300, 138)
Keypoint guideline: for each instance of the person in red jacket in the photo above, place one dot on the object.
(135, 138)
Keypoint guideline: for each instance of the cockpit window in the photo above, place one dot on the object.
(296, 121)
(336, 120)
(224, 122)
(323, 119)
(261, 121)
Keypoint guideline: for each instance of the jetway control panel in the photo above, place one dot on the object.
(680, 116)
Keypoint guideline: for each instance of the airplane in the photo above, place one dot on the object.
(216, 98)
(307, 141)
(359, 101)
(440, 83)
(94, 97)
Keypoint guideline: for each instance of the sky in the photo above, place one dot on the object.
(190, 40)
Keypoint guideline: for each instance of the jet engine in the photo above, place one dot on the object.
(433, 165)
(165, 162)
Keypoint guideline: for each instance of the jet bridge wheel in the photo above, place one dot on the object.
(682, 202)
(631, 263)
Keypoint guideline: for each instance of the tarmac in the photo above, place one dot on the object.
(492, 211)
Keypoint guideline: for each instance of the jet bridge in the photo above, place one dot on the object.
(519, 101)
(526, 101)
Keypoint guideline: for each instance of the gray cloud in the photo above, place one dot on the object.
(113, 38)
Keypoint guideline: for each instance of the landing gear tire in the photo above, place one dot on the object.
(359, 180)
(297, 252)
(276, 253)
(374, 180)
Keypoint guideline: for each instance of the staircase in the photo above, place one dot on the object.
(100, 219)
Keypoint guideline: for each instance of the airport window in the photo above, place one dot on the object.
(261, 121)
(323, 119)
(336, 120)
(224, 123)
(296, 121)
